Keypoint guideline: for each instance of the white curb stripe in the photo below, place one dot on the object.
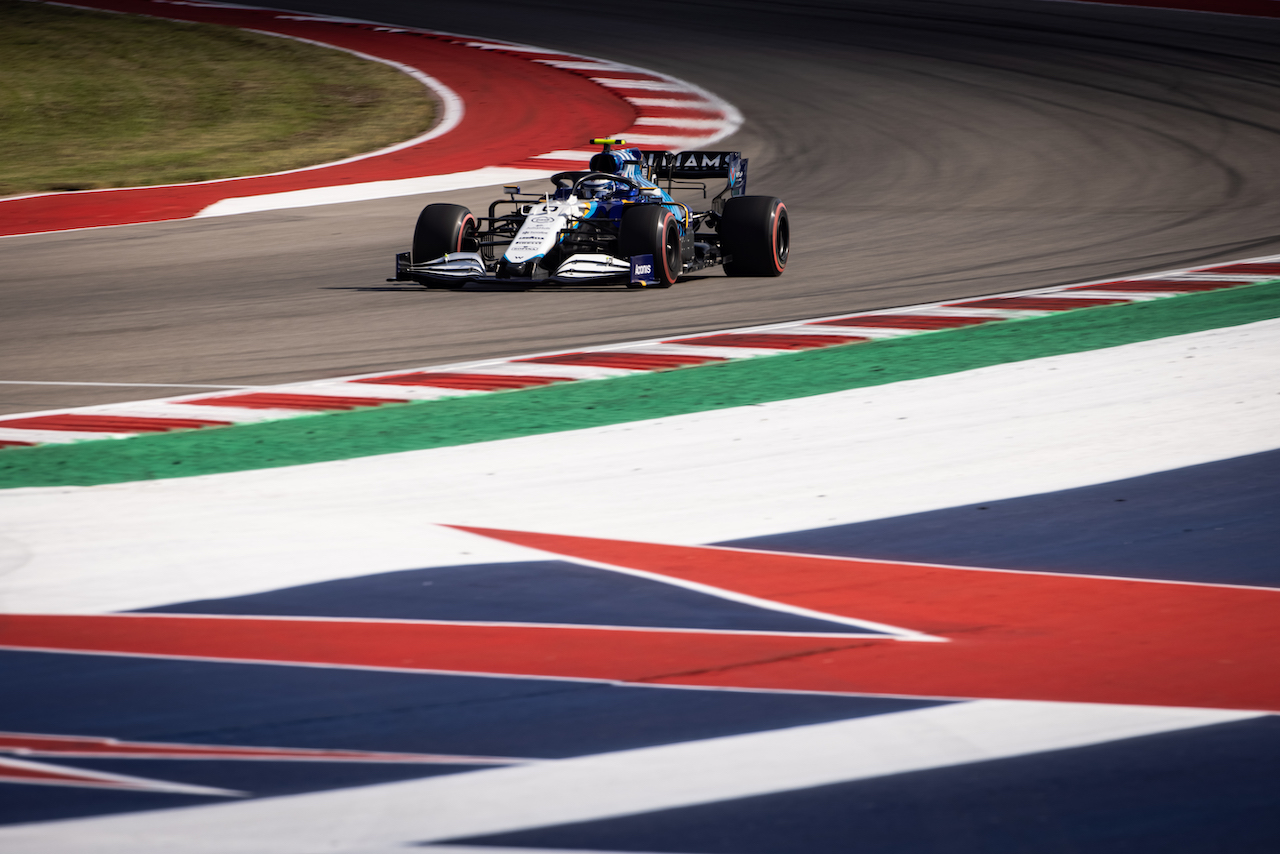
(371, 190)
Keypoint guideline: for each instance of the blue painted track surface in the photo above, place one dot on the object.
(308, 707)
(1217, 522)
(1208, 791)
(553, 591)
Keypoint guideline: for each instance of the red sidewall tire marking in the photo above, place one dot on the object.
(778, 212)
(668, 277)
(462, 232)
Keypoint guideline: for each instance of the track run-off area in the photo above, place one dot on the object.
(959, 536)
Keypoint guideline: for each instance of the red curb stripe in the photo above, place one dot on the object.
(1036, 303)
(690, 112)
(89, 746)
(905, 321)
(75, 422)
(1263, 269)
(628, 361)
(766, 341)
(275, 400)
(10, 443)
(468, 382)
(1159, 286)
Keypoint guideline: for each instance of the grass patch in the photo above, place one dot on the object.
(94, 99)
(594, 403)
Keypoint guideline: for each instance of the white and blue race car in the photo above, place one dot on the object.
(614, 223)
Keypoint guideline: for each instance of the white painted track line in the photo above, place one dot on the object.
(386, 817)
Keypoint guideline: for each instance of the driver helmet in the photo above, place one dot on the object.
(597, 188)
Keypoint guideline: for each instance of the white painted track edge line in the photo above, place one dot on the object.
(618, 783)
(889, 631)
(894, 635)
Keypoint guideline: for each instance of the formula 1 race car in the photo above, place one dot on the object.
(614, 223)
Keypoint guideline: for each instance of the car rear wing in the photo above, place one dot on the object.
(700, 166)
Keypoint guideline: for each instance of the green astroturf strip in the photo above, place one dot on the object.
(571, 406)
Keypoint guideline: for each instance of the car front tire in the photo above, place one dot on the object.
(652, 230)
(441, 230)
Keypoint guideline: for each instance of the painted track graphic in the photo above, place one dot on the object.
(1154, 645)
(760, 678)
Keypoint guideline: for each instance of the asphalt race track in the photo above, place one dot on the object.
(924, 149)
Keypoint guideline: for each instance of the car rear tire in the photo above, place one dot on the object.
(755, 233)
(441, 230)
(652, 230)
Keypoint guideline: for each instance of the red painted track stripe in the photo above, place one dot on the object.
(9, 443)
(629, 361)
(632, 655)
(766, 341)
(20, 772)
(87, 746)
(905, 321)
(76, 422)
(1036, 303)
(274, 400)
(469, 382)
(1253, 269)
(1009, 635)
(1158, 286)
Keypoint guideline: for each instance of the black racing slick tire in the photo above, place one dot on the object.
(652, 230)
(755, 233)
(442, 229)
